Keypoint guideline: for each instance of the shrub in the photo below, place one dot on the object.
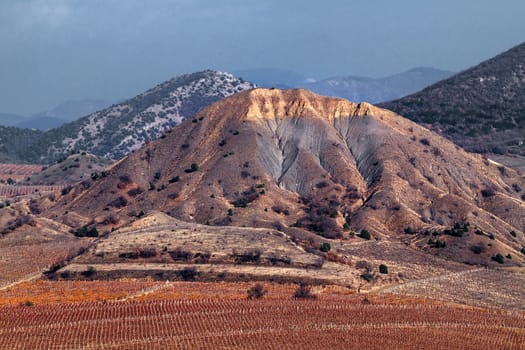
(488, 192)
(247, 197)
(251, 255)
(135, 191)
(66, 190)
(193, 168)
(425, 141)
(21, 221)
(256, 292)
(383, 269)
(523, 250)
(367, 276)
(437, 243)
(174, 179)
(513, 233)
(325, 247)
(364, 234)
(478, 248)
(279, 209)
(188, 273)
(321, 184)
(119, 202)
(34, 207)
(85, 231)
(90, 272)
(125, 179)
(304, 291)
(181, 255)
(500, 259)
(457, 230)
(409, 230)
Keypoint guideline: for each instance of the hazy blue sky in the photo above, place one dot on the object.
(54, 50)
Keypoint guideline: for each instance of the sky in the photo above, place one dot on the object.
(57, 50)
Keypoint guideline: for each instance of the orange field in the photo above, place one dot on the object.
(196, 317)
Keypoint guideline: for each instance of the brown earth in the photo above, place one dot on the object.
(303, 164)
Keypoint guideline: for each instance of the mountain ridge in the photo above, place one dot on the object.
(482, 108)
(314, 166)
(124, 127)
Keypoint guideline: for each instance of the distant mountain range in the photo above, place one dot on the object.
(353, 88)
(61, 114)
(272, 77)
(115, 131)
(375, 90)
(482, 108)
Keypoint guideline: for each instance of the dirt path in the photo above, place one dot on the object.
(28, 278)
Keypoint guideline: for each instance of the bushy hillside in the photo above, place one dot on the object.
(122, 128)
(482, 109)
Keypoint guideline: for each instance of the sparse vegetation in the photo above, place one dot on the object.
(499, 258)
(364, 234)
(86, 231)
(325, 247)
(304, 291)
(478, 248)
(257, 291)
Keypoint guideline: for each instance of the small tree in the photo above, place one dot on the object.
(256, 292)
(188, 273)
(383, 269)
(500, 259)
(364, 234)
(325, 247)
(304, 291)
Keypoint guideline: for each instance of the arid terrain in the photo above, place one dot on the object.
(355, 221)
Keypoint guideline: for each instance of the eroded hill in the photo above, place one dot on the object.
(315, 168)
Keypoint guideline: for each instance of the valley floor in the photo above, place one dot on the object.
(138, 314)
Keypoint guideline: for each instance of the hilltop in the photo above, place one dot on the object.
(481, 109)
(316, 169)
(115, 131)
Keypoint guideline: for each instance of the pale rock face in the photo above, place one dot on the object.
(329, 162)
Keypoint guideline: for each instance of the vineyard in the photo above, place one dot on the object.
(21, 190)
(18, 172)
(285, 323)
(21, 262)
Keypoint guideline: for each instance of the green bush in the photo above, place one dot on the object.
(383, 269)
(364, 234)
(499, 258)
(325, 247)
